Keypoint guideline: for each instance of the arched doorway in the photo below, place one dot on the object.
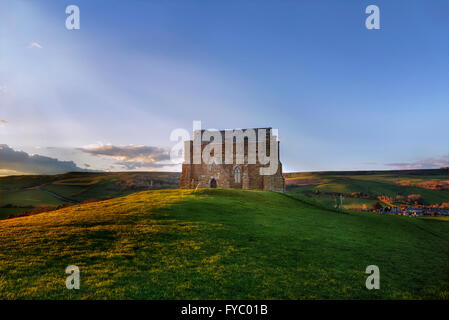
(213, 183)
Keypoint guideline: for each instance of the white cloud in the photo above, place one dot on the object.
(34, 45)
(3, 122)
(428, 163)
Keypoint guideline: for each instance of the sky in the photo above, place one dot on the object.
(107, 96)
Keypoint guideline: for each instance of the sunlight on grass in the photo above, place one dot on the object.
(220, 244)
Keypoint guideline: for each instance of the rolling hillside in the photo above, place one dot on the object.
(23, 193)
(365, 187)
(221, 244)
(27, 193)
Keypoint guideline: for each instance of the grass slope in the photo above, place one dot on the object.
(373, 183)
(221, 244)
(30, 190)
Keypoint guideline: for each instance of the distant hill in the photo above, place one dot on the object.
(23, 193)
(361, 189)
(221, 244)
(366, 187)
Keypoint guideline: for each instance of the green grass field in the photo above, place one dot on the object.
(25, 191)
(30, 190)
(29, 197)
(372, 183)
(221, 244)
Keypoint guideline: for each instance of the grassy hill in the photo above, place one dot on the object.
(221, 244)
(431, 184)
(22, 193)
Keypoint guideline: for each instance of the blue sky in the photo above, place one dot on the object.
(343, 97)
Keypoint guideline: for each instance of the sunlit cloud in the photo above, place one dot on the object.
(132, 156)
(7, 172)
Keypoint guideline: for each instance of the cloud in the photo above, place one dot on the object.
(427, 163)
(22, 162)
(132, 156)
(3, 122)
(129, 153)
(34, 45)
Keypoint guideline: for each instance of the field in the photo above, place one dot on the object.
(221, 244)
(22, 193)
(431, 185)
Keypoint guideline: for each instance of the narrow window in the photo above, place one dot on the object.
(237, 175)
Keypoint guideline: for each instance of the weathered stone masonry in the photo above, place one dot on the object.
(237, 176)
